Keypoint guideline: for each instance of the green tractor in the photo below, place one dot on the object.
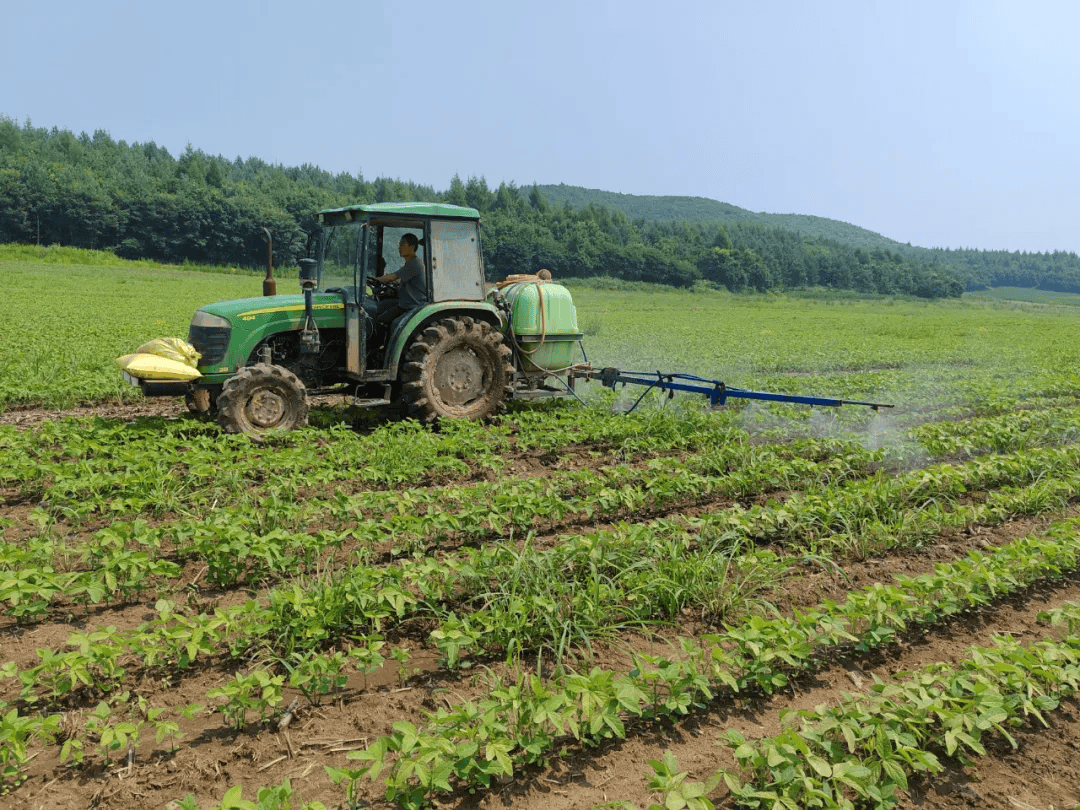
(460, 354)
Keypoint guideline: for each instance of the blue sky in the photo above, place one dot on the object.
(944, 124)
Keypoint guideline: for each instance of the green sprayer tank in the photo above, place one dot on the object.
(544, 323)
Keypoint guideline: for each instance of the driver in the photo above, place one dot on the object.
(413, 290)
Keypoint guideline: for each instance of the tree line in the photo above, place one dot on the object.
(1056, 270)
(1050, 270)
(140, 202)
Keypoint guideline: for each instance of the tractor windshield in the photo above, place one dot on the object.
(340, 256)
(383, 240)
(343, 252)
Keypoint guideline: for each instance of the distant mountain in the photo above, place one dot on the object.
(702, 209)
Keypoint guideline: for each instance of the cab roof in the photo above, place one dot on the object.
(352, 213)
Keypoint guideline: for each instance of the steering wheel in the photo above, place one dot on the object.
(382, 290)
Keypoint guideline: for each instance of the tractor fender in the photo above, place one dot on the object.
(420, 319)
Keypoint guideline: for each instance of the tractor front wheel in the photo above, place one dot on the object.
(458, 368)
(261, 398)
(201, 401)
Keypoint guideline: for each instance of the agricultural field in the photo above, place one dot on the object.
(1017, 294)
(568, 607)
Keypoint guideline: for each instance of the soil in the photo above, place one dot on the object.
(1043, 771)
(28, 416)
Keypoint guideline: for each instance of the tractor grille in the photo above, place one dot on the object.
(209, 341)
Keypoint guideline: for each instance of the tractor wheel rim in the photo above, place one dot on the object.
(459, 377)
(265, 408)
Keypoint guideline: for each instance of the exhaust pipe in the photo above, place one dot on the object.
(309, 337)
(269, 284)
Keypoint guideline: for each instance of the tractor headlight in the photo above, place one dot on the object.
(203, 318)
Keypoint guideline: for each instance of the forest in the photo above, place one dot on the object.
(140, 202)
(1057, 270)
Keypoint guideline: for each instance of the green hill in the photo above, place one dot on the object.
(1055, 271)
(702, 209)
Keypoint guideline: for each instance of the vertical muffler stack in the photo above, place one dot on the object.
(309, 337)
(269, 284)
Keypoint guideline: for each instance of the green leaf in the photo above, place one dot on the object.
(821, 766)
(774, 757)
(232, 801)
(895, 772)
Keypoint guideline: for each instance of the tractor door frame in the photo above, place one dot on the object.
(356, 317)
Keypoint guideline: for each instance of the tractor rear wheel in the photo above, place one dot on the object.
(261, 398)
(458, 368)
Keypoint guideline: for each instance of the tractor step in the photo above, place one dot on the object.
(539, 393)
(360, 402)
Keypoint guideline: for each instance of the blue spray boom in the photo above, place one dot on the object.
(717, 392)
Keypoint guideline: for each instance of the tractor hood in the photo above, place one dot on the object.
(227, 332)
(328, 308)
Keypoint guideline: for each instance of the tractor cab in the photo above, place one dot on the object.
(360, 243)
(443, 356)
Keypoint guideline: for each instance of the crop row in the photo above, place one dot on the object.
(1002, 433)
(485, 600)
(523, 721)
(82, 467)
(190, 463)
(528, 716)
(77, 484)
(866, 749)
(868, 514)
(589, 588)
(504, 598)
(73, 492)
(763, 653)
(860, 514)
(250, 545)
(135, 493)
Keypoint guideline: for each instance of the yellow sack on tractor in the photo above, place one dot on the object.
(124, 359)
(147, 366)
(172, 348)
